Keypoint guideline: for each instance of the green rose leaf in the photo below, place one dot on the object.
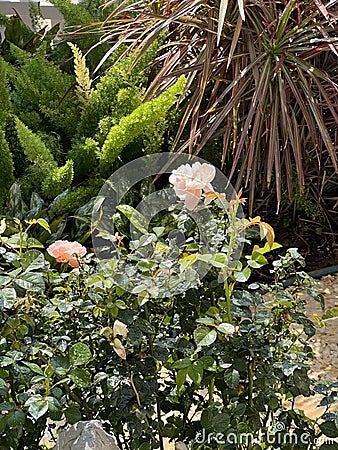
(31, 281)
(34, 367)
(32, 260)
(329, 428)
(243, 276)
(80, 377)
(204, 336)
(16, 418)
(231, 377)
(3, 388)
(195, 372)
(7, 298)
(37, 406)
(181, 376)
(182, 363)
(135, 217)
(73, 414)
(79, 354)
(226, 328)
(208, 363)
(220, 260)
(60, 364)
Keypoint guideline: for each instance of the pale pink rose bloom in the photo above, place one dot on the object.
(66, 251)
(191, 181)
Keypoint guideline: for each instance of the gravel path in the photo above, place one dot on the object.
(324, 344)
(325, 341)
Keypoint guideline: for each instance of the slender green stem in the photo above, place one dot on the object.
(211, 390)
(251, 370)
(228, 288)
(21, 240)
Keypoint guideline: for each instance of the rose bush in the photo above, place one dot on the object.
(220, 358)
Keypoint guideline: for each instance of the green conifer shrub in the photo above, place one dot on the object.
(6, 168)
(20, 160)
(38, 96)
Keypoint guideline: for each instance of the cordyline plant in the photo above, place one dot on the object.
(261, 78)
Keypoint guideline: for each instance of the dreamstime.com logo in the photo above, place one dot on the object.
(116, 201)
(276, 436)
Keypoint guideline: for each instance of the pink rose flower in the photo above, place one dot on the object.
(67, 252)
(191, 181)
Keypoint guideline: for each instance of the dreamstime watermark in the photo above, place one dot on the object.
(277, 435)
(117, 198)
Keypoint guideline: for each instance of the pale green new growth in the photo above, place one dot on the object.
(58, 180)
(136, 124)
(35, 150)
(83, 80)
(122, 75)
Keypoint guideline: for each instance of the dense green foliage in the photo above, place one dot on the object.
(6, 159)
(142, 121)
(56, 138)
(140, 339)
(37, 97)
(109, 97)
(58, 180)
(77, 346)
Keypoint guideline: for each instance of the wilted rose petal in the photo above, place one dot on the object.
(119, 349)
(120, 328)
(180, 446)
(67, 252)
(190, 181)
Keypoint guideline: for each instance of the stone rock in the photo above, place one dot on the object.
(88, 435)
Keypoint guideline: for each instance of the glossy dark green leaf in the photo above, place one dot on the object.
(16, 418)
(31, 281)
(195, 372)
(329, 428)
(231, 377)
(37, 407)
(80, 377)
(73, 414)
(79, 354)
(32, 260)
